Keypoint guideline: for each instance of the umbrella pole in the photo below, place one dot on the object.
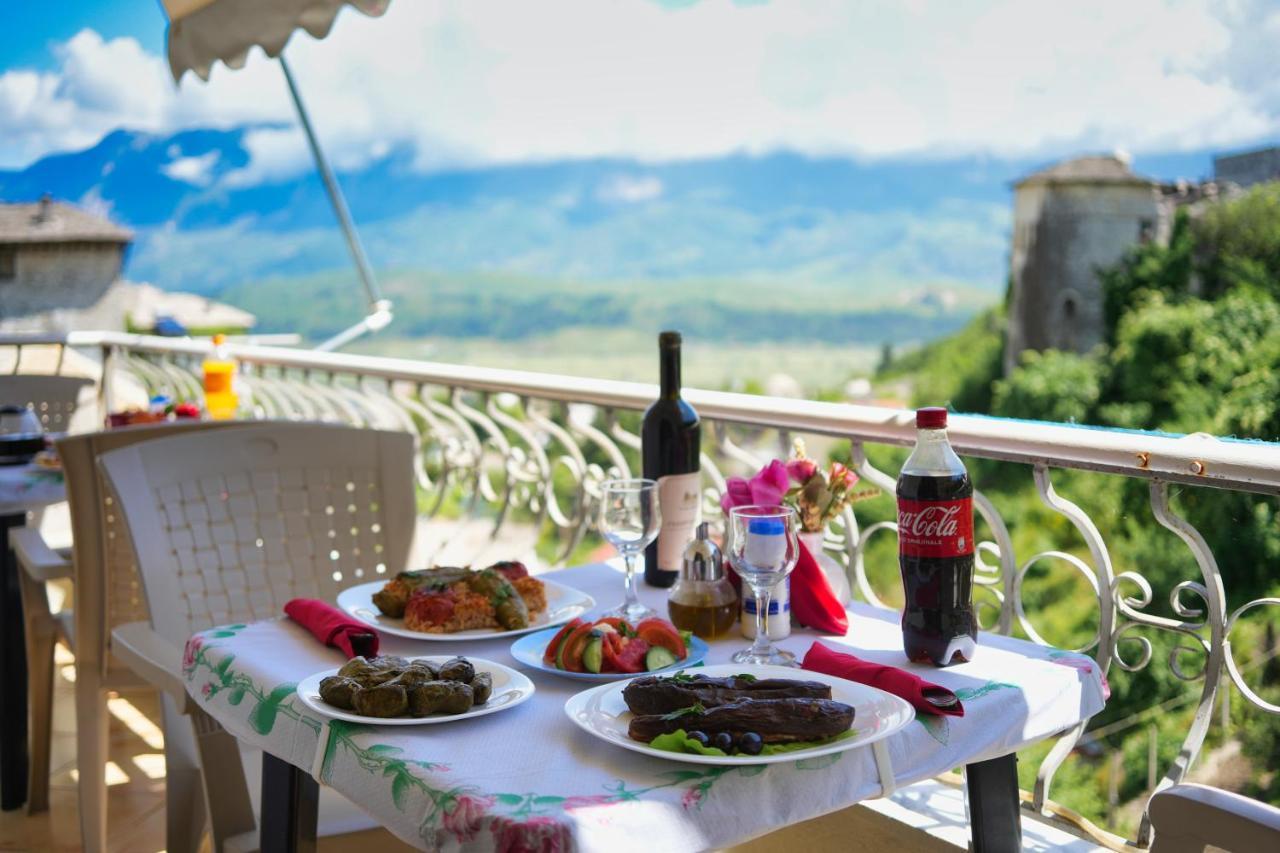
(379, 308)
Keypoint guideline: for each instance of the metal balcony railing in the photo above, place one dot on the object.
(514, 447)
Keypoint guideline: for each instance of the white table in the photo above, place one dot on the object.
(529, 777)
(23, 488)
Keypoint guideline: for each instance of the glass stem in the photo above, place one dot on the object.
(631, 598)
(762, 645)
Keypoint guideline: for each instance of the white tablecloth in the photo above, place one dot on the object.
(528, 779)
(27, 487)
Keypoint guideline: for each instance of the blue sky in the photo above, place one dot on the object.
(467, 82)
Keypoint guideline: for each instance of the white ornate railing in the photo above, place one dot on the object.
(502, 444)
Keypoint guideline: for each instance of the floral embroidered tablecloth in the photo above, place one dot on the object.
(27, 487)
(528, 779)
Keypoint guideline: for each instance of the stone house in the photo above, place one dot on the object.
(1070, 220)
(55, 256)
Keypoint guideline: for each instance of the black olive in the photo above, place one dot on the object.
(723, 740)
(700, 737)
(750, 743)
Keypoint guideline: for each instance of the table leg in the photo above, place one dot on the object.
(995, 805)
(290, 800)
(13, 675)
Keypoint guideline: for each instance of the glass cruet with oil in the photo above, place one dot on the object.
(703, 600)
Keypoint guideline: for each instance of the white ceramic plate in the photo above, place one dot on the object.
(510, 688)
(601, 712)
(563, 603)
(529, 648)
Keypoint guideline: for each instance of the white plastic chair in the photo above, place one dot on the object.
(228, 526)
(1187, 818)
(107, 593)
(53, 398)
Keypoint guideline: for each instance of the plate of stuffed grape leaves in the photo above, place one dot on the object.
(730, 714)
(393, 691)
(457, 603)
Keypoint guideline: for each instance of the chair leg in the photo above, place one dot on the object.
(91, 759)
(183, 787)
(226, 790)
(40, 632)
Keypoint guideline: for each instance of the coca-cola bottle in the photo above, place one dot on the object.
(935, 547)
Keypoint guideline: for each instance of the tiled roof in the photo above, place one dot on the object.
(52, 222)
(1092, 169)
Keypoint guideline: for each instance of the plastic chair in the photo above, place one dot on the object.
(107, 593)
(53, 398)
(1189, 817)
(228, 526)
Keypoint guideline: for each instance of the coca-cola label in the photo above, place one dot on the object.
(935, 528)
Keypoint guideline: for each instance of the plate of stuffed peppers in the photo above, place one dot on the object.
(457, 603)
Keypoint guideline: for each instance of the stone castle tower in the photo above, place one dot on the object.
(1069, 221)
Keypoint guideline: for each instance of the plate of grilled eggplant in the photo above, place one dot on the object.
(738, 714)
(393, 691)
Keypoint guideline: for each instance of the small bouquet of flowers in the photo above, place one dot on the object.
(817, 495)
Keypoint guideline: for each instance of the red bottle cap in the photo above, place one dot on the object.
(931, 417)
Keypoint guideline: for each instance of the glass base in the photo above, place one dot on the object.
(632, 614)
(772, 657)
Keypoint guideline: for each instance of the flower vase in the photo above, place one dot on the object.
(836, 575)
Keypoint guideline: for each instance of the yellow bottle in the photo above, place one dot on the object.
(220, 398)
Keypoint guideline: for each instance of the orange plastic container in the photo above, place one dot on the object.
(220, 398)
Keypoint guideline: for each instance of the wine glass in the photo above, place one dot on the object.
(764, 549)
(629, 520)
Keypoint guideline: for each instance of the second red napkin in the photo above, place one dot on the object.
(332, 627)
(927, 697)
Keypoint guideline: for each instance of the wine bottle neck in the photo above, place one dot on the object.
(670, 373)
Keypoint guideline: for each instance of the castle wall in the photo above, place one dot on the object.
(1063, 234)
(58, 275)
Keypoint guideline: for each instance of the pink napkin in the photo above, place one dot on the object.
(332, 627)
(927, 697)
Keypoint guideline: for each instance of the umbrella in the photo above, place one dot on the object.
(202, 32)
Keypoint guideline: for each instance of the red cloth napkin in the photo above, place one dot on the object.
(332, 627)
(890, 679)
(813, 604)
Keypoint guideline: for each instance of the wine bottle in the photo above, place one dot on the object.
(671, 440)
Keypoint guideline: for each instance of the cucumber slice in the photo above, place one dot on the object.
(657, 658)
(593, 654)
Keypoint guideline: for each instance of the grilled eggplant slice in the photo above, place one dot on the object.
(664, 694)
(775, 720)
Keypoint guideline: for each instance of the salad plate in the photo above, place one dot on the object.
(529, 651)
(602, 713)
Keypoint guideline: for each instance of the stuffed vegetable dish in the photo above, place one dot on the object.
(444, 599)
(389, 686)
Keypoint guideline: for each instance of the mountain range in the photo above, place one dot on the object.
(871, 228)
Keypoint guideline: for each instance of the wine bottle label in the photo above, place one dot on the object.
(935, 528)
(680, 504)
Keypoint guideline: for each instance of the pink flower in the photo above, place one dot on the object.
(737, 492)
(692, 798)
(593, 800)
(840, 476)
(464, 817)
(801, 470)
(768, 486)
(207, 690)
(189, 652)
(531, 835)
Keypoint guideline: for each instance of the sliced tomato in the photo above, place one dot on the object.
(631, 658)
(617, 623)
(569, 656)
(660, 632)
(549, 656)
(613, 644)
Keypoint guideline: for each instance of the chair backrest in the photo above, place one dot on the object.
(52, 398)
(1191, 817)
(228, 526)
(107, 587)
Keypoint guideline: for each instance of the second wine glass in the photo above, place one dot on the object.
(629, 520)
(764, 549)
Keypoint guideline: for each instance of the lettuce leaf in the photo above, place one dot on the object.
(679, 741)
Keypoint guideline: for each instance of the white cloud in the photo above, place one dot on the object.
(630, 189)
(479, 81)
(197, 171)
